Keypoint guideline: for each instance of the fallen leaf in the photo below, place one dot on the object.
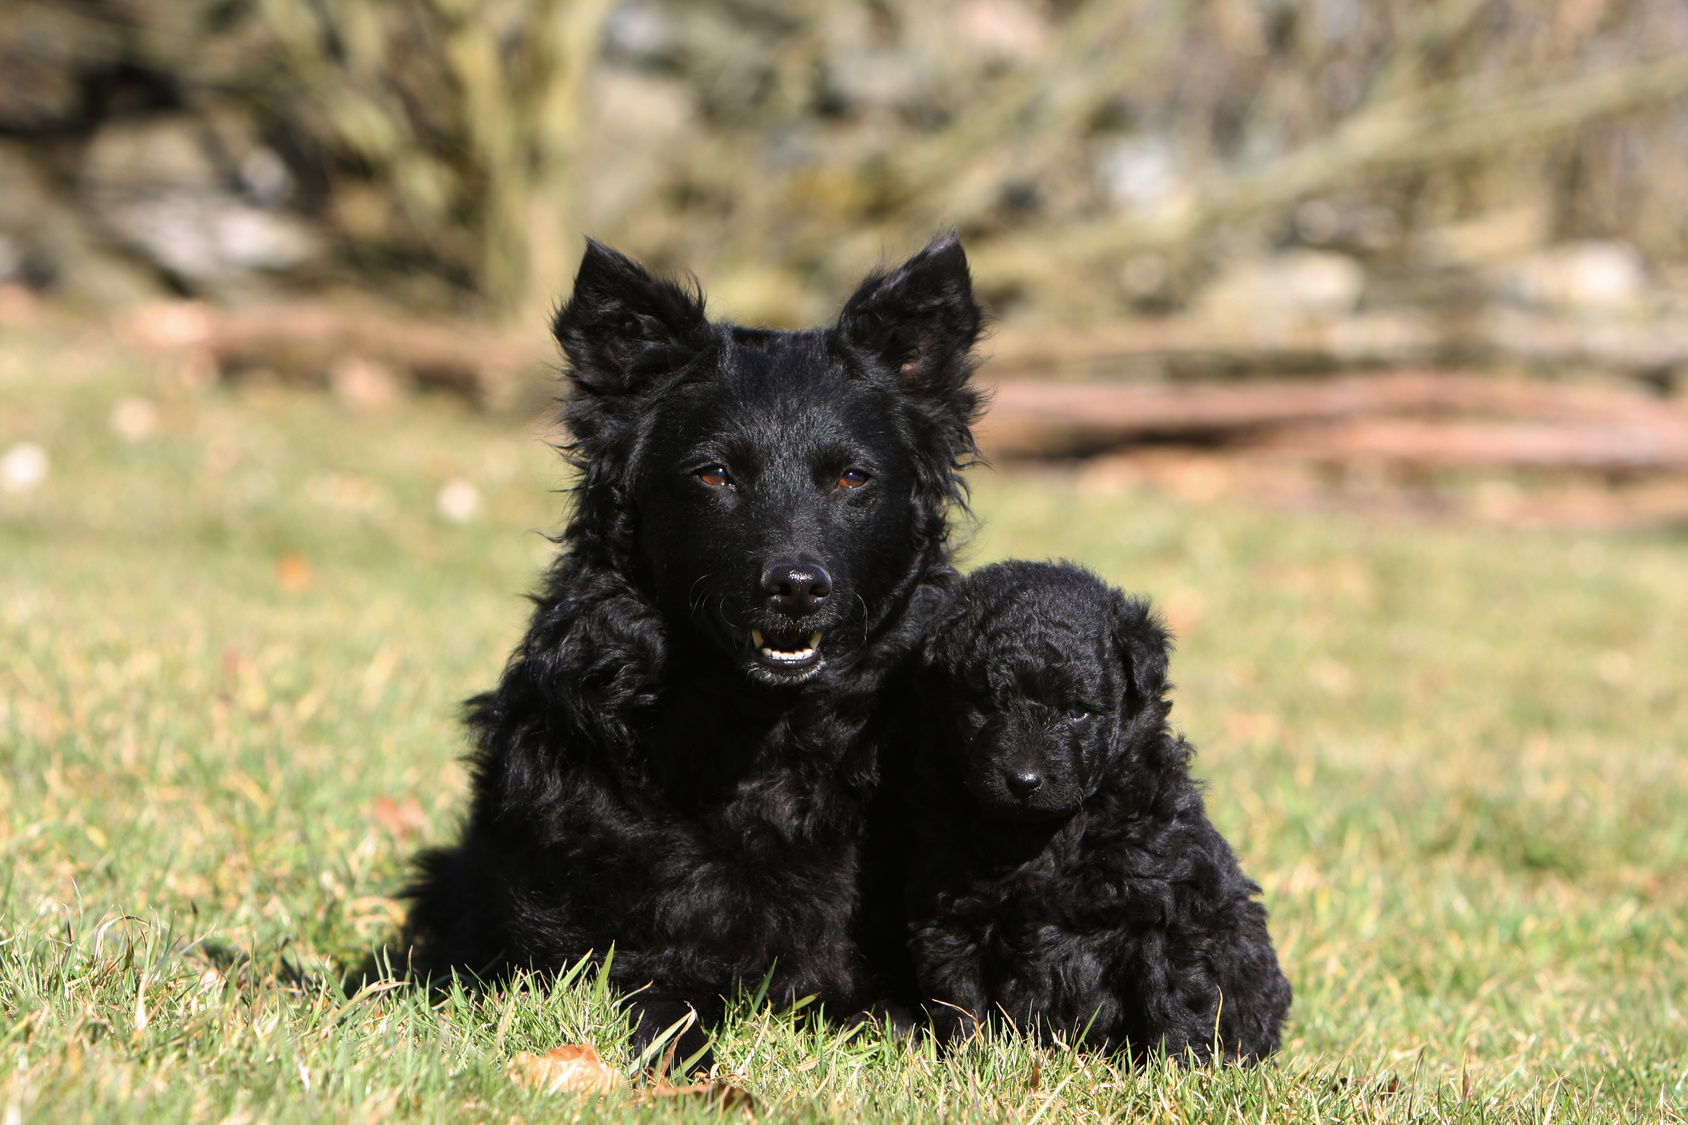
(292, 573)
(1036, 1078)
(573, 1068)
(718, 1095)
(398, 820)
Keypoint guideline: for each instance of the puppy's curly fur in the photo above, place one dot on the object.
(1065, 875)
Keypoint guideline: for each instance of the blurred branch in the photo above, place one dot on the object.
(1425, 416)
(1434, 126)
(960, 180)
(1437, 27)
(1048, 100)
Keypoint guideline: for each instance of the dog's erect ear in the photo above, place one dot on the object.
(919, 320)
(621, 323)
(1144, 644)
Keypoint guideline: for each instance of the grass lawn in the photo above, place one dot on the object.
(232, 650)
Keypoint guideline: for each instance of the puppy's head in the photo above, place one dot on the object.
(1048, 676)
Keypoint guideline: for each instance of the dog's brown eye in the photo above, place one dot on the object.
(1077, 715)
(852, 478)
(715, 476)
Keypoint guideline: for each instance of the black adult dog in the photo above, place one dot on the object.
(1065, 873)
(677, 758)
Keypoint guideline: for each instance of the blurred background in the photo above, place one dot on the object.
(1474, 213)
(1355, 332)
(1158, 196)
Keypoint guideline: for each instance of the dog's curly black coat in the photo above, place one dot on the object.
(1064, 871)
(678, 755)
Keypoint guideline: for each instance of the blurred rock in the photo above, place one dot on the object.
(1587, 278)
(1138, 172)
(265, 177)
(642, 34)
(856, 81)
(156, 184)
(1297, 284)
(634, 122)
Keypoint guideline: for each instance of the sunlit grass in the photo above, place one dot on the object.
(231, 655)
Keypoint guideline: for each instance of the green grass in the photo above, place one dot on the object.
(231, 656)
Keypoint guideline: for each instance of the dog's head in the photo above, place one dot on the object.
(775, 491)
(1045, 677)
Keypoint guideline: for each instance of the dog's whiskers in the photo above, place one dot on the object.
(692, 597)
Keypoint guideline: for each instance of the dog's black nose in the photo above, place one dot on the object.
(1023, 783)
(797, 588)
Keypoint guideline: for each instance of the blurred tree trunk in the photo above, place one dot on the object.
(462, 115)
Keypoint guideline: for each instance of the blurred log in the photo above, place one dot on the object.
(1038, 418)
(307, 340)
(1590, 447)
(1397, 339)
(1266, 344)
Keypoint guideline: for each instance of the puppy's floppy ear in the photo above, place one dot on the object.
(1144, 644)
(620, 323)
(919, 320)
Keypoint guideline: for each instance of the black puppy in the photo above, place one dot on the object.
(676, 760)
(1065, 874)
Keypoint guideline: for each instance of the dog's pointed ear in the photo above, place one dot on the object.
(920, 320)
(621, 323)
(1144, 644)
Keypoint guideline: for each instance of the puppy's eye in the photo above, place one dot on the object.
(715, 476)
(852, 478)
(1077, 714)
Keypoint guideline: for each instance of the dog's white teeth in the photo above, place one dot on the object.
(814, 642)
(756, 638)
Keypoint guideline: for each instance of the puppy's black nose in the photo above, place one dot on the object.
(1023, 783)
(797, 588)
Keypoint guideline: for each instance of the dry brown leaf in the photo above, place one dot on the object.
(573, 1068)
(399, 820)
(292, 573)
(718, 1095)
